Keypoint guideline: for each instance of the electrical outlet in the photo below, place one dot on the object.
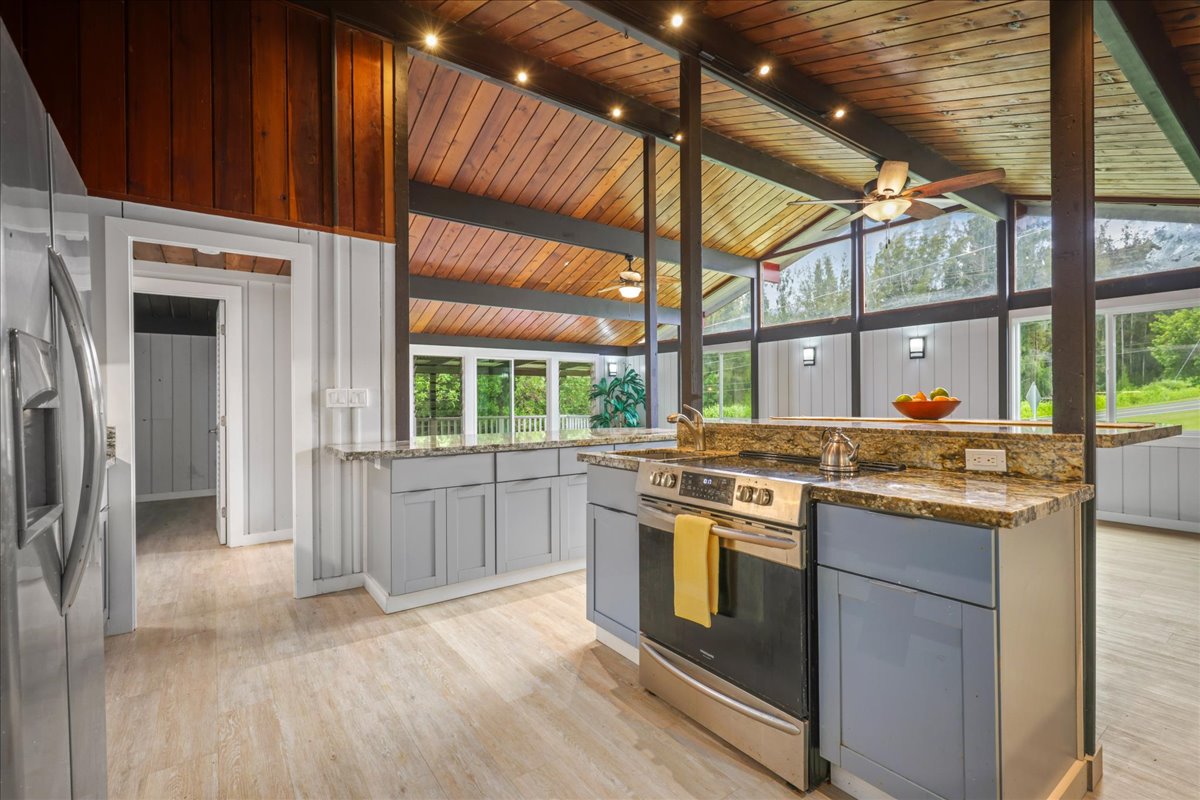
(987, 460)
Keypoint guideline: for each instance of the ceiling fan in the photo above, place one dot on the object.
(885, 198)
(629, 282)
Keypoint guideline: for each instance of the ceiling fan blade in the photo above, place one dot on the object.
(826, 202)
(921, 210)
(892, 177)
(608, 289)
(844, 221)
(952, 185)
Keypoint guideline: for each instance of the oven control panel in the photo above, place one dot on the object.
(714, 488)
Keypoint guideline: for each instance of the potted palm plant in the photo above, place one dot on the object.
(620, 398)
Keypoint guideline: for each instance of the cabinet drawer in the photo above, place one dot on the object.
(612, 488)
(438, 472)
(568, 464)
(938, 557)
(523, 465)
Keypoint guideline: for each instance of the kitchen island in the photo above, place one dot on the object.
(448, 516)
(945, 605)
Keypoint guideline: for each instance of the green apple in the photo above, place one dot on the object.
(938, 392)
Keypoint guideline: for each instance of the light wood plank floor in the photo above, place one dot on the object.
(231, 688)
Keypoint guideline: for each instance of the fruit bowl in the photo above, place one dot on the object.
(926, 409)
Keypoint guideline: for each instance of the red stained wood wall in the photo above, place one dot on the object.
(223, 106)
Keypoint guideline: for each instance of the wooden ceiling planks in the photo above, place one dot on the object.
(1181, 22)
(457, 319)
(971, 80)
(190, 257)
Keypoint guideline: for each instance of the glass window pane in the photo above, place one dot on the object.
(437, 395)
(816, 285)
(1130, 240)
(951, 257)
(574, 384)
(529, 396)
(1158, 367)
(733, 314)
(493, 396)
(711, 406)
(1036, 369)
(735, 398)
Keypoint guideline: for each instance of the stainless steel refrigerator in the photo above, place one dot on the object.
(52, 461)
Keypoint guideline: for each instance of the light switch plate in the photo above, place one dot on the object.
(987, 460)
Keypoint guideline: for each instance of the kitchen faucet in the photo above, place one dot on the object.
(695, 425)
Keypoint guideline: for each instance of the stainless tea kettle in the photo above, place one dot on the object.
(838, 453)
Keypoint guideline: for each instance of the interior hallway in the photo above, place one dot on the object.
(232, 688)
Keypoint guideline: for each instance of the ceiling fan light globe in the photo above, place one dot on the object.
(888, 209)
(630, 292)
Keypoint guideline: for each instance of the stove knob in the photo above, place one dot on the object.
(745, 494)
(656, 479)
(764, 497)
(669, 480)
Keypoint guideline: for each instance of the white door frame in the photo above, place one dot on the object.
(231, 382)
(119, 235)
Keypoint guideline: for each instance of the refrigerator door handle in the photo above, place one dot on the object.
(83, 350)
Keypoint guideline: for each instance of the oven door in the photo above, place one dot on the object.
(759, 636)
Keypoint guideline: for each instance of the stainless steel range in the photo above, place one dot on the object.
(748, 677)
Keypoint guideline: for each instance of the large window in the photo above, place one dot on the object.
(727, 381)
(951, 257)
(493, 395)
(814, 286)
(1130, 240)
(437, 395)
(1153, 356)
(574, 385)
(733, 307)
(529, 395)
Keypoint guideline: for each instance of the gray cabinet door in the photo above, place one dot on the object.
(418, 540)
(528, 523)
(907, 688)
(574, 517)
(471, 532)
(612, 572)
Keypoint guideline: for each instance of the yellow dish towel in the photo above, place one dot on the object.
(697, 564)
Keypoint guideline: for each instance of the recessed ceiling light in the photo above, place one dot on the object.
(764, 69)
(677, 20)
(522, 77)
(616, 112)
(678, 136)
(838, 113)
(431, 40)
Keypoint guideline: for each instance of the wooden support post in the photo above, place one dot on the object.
(1005, 240)
(650, 276)
(691, 271)
(400, 183)
(1073, 281)
(857, 272)
(755, 305)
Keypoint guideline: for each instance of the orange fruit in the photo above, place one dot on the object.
(920, 396)
(941, 398)
(955, 399)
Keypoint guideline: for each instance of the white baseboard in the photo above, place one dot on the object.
(452, 591)
(154, 498)
(617, 644)
(1149, 522)
(263, 537)
(855, 786)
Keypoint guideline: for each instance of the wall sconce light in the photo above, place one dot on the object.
(612, 369)
(916, 347)
(808, 356)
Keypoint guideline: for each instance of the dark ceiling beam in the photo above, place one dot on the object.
(444, 290)
(484, 212)
(733, 59)
(496, 62)
(1131, 31)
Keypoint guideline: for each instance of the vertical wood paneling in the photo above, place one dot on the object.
(148, 87)
(102, 97)
(308, 96)
(161, 410)
(1164, 492)
(268, 75)
(233, 177)
(260, 408)
(52, 58)
(1135, 481)
(191, 103)
(344, 146)
(181, 412)
(1108, 480)
(202, 393)
(1189, 479)
(281, 404)
(142, 394)
(367, 132)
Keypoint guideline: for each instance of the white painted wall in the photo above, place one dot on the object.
(961, 356)
(788, 388)
(175, 405)
(1157, 483)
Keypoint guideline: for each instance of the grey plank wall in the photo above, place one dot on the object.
(961, 356)
(175, 406)
(268, 416)
(788, 388)
(1156, 484)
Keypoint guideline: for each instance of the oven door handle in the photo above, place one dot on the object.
(745, 709)
(721, 531)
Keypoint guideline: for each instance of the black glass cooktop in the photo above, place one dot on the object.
(776, 465)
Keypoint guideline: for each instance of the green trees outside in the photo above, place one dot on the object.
(815, 286)
(951, 257)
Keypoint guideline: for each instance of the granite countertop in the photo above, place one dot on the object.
(1107, 434)
(463, 444)
(993, 501)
